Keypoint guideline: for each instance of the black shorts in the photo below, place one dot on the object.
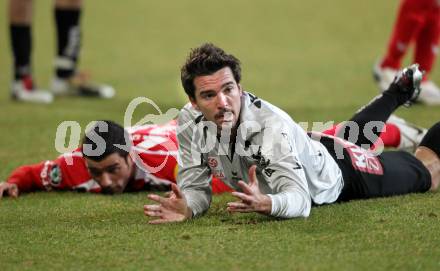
(402, 174)
(388, 174)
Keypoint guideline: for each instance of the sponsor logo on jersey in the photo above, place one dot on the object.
(218, 174)
(212, 162)
(362, 160)
(55, 176)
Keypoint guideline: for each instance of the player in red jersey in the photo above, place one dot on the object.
(148, 163)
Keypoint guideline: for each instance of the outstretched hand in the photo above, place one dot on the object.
(169, 209)
(8, 189)
(251, 199)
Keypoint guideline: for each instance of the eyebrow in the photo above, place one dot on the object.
(112, 166)
(227, 83)
(224, 85)
(106, 168)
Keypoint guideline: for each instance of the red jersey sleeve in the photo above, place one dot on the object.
(67, 172)
(27, 178)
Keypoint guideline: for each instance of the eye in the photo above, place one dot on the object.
(95, 172)
(113, 170)
(208, 95)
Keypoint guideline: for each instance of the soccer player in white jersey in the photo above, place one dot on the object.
(276, 168)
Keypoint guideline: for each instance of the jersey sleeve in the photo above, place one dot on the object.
(285, 174)
(28, 177)
(67, 172)
(194, 175)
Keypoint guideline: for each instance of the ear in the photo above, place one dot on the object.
(240, 89)
(193, 103)
(131, 154)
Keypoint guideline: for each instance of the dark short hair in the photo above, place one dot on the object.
(205, 60)
(114, 135)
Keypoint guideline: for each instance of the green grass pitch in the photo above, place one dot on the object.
(312, 58)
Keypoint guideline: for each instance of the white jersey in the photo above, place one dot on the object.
(292, 169)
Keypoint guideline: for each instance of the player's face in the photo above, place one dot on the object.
(112, 173)
(217, 96)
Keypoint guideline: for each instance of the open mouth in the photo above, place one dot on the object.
(226, 116)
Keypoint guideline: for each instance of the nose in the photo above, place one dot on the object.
(221, 100)
(105, 180)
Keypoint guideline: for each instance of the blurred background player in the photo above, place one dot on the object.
(66, 80)
(417, 21)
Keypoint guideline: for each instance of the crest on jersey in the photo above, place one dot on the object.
(55, 176)
(216, 169)
(212, 162)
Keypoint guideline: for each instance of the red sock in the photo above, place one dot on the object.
(428, 39)
(410, 19)
(391, 136)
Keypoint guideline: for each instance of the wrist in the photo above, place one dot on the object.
(266, 207)
(188, 213)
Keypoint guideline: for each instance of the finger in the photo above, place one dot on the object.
(152, 207)
(172, 195)
(245, 198)
(157, 198)
(242, 196)
(253, 175)
(238, 205)
(176, 191)
(1, 191)
(245, 187)
(152, 213)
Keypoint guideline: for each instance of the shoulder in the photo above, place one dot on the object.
(186, 122)
(188, 114)
(263, 112)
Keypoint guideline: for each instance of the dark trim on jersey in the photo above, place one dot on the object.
(198, 119)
